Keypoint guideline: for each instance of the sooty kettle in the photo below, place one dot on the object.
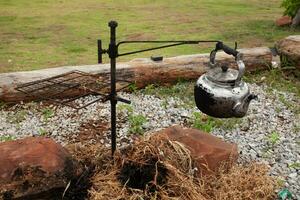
(221, 92)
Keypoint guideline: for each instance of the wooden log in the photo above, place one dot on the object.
(289, 50)
(140, 71)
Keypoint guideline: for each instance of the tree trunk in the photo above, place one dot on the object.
(296, 20)
(140, 71)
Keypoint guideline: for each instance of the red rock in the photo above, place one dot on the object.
(209, 152)
(284, 21)
(33, 166)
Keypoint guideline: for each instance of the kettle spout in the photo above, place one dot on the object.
(240, 109)
(251, 97)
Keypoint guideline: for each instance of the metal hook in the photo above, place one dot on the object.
(235, 45)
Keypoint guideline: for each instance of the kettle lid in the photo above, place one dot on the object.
(222, 75)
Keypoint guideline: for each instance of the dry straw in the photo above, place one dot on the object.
(157, 168)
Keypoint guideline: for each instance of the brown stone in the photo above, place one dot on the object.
(289, 48)
(284, 21)
(34, 166)
(209, 152)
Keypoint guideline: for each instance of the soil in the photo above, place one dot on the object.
(91, 130)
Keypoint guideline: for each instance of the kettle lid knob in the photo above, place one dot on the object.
(224, 68)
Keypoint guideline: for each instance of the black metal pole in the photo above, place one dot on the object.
(99, 42)
(113, 100)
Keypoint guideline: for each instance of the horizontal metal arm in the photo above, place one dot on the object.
(150, 49)
(177, 43)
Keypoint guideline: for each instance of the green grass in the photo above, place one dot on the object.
(273, 138)
(125, 107)
(39, 34)
(42, 132)
(278, 79)
(18, 117)
(201, 123)
(183, 90)
(2, 105)
(206, 123)
(4, 138)
(281, 80)
(136, 123)
(47, 113)
(295, 165)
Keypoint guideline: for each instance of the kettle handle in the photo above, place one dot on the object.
(238, 57)
(225, 48)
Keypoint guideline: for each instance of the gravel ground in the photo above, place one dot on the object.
(270, 133)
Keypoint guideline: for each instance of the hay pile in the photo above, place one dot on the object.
(158, 168)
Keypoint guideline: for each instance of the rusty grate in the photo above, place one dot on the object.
(75, 84)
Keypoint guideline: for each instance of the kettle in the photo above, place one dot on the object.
(221, 92)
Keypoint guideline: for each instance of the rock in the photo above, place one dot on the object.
(284, 21)
(35, 168)
(293, 175)
(289, 47)
(209, 152)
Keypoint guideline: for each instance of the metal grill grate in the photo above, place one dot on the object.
(75, 85)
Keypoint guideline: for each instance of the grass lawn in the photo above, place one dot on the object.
(47, 33)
